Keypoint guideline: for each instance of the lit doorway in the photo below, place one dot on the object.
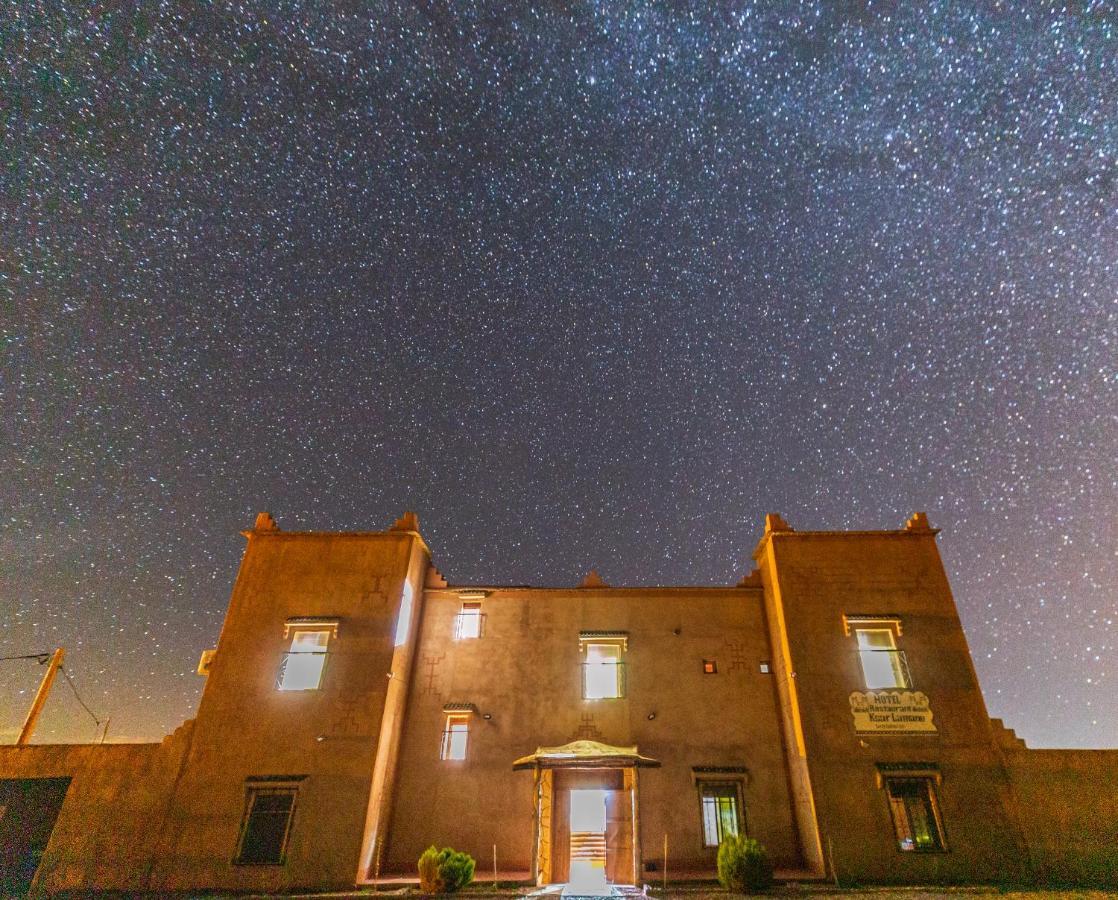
(590, 786)
(588, 840)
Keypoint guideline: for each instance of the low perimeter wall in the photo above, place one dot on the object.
(106, 832)
(1068, 810)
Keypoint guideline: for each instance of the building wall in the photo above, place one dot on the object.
(526, 673)
(1068, 805)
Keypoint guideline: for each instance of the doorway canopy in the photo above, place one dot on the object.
(585, 755)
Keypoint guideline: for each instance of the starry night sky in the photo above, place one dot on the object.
(584, 284)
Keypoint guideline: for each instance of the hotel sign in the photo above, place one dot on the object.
(894, 712)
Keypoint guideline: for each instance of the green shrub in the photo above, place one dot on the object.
(444, 871)
(429, 881)
(743, 865)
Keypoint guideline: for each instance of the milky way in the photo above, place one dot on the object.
(585, 285)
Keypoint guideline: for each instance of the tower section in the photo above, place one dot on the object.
(890, 747)
(300, 717)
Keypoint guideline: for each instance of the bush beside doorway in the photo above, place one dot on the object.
(444, 871)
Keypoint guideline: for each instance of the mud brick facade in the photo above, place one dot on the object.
(358, 708)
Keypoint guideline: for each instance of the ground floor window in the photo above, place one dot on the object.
(266, 826)
(721, 812)
(915, 814)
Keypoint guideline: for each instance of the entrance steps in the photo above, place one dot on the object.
(588, 846)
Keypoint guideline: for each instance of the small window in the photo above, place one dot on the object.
(266, 827)
(720, 811)
(883, 665)
(915, 814)
(765, 667)
(710, 667)
(468, 622)
(302, 666)
(603, 673)
(403, 623)
(455, 737)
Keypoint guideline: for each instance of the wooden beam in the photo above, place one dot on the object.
(40, 697)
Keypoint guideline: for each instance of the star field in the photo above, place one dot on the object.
(583, 284)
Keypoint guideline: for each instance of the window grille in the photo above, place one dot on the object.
(720, 812)
(603, 680)
(915, 810)
(883, 665)
(885, 669)
(301, 669)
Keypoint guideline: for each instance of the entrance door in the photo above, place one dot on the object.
(29, 808)
(590, 835)
(619, 837)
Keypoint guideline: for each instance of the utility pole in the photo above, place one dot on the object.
(41, 697)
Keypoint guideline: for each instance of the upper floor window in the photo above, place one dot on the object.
(468, 623)
(883, 665)
(916, 820)
(303, 664)
(603, 672)
(456, 736)
(403, 623)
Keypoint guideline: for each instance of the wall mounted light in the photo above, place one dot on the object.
(651, 716)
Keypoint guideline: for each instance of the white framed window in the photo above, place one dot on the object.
(883, 665)
(303, 664)
(603, 672)
(456, 737)
(469, 621)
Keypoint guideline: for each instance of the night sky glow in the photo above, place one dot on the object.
(584, 284)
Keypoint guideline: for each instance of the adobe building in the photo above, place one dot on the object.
(359, 708)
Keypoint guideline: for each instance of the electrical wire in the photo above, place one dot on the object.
(42, 658)
(70, 682)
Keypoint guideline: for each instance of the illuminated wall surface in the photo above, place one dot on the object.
(358, 708)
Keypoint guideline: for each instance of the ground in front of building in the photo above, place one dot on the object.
(807, 892)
